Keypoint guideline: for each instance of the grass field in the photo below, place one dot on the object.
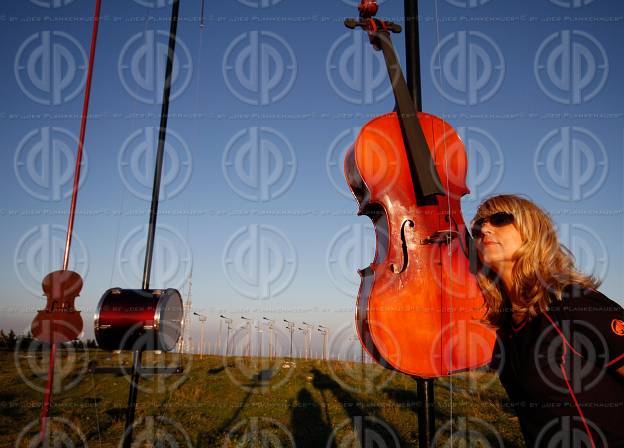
(246, 402)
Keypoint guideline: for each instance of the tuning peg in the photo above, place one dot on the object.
(351, 23)
(366, 25)
(394, 27)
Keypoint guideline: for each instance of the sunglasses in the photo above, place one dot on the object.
(498, 219)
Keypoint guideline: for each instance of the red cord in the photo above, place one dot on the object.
(45, 410)
(43, 420)
(83, 127)
(567, 344)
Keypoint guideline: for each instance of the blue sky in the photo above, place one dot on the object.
(534, 89)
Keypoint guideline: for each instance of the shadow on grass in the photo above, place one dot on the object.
(211, 438)
(309, 427)
(366, 428)
(261, 377)
(216, 370)
(7, 410)
(116, 413)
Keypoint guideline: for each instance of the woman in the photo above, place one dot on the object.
(560, 350)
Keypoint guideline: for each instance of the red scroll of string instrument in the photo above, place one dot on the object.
(419, 308)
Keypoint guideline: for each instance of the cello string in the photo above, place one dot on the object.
(187, 211)
(450, 252)
(134, 113)
(196, 108)
(134, 105)
(165, 404)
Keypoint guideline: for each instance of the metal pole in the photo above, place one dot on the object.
(248, 326)
(270, 341)
(227, 341)
(308, 336)
(325, 337)
(202, 343)
(249, 339)
(219, 337)
(151, 231)
(228, 321)
(271, 347)
(324, 331)
(132, 397)
(291, 328)
(305, 344)
(426, 414)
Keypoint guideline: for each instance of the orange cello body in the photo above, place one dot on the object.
(419, 308)
(59, 322)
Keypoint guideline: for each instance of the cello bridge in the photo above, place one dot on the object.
(440, 237)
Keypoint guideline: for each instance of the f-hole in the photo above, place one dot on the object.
(393, 266)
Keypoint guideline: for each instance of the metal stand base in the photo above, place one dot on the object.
(135, 374)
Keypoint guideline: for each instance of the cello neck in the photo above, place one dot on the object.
(424, 174)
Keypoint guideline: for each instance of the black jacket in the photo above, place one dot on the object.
(559, 371)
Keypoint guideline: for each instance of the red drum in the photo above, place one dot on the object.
(138, 319)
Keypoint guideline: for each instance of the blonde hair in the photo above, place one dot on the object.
(542, 267)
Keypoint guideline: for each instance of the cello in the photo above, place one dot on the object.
(419, 309)
(59, 322)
